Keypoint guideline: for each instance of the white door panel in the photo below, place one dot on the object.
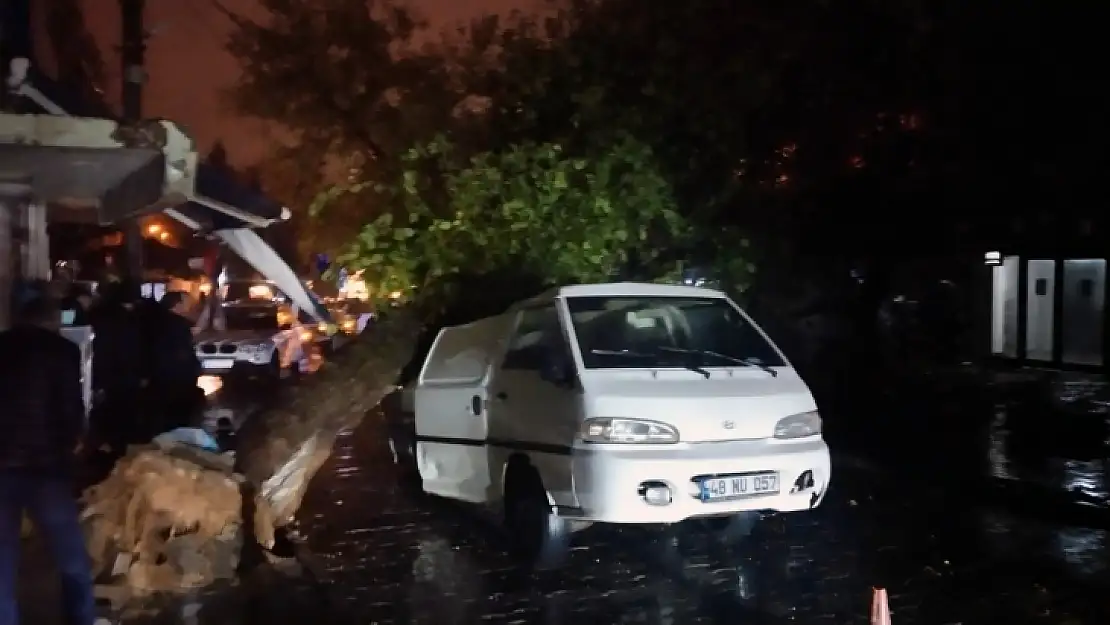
(451, 441)
(540, 419)
(530, 415)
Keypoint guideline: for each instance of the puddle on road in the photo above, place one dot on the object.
(394, 559)
(1052, 452)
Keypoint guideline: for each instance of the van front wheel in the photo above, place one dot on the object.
(537, 536)
(403, 452)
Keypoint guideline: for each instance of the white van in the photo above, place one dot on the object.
(617, 403)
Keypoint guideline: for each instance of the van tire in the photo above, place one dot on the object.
(733, 528)
(404, 461)
(537, 536)
(412, 483)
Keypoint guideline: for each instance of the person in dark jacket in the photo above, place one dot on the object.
(42, 417)
(79, 300)
(175, 365)
(119, 369)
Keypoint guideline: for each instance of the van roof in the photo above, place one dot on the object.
(628, 289)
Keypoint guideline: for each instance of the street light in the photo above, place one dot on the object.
(154, 229)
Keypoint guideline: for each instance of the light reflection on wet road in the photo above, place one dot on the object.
(393, 559)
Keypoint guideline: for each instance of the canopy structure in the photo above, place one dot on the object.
(92, 170)
(98, 170)
(248, 245)
(220, 201)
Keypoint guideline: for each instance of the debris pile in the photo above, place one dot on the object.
(174, 518)
(165, 520)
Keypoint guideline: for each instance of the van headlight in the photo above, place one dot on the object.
(799, 425)
(627, 431)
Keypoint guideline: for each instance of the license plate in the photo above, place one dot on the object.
(725, 487)
(225, 363)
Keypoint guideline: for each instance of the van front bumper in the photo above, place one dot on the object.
(610, 480)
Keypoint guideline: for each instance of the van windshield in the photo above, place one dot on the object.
(666, 332)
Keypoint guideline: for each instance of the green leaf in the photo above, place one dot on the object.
(409, 182)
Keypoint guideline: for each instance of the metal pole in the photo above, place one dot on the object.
(133, 75)
(6, 278)
(15, 191)
(132, 58)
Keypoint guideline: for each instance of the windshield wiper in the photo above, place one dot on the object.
(747, 362)
(634, 354)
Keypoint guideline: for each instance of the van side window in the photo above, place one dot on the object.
(537, 333)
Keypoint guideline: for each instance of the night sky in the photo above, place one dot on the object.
(189, 67)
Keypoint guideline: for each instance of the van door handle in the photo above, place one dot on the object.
(502, 395)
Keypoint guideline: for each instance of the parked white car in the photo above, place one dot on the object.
(616, 403)
(261, 339)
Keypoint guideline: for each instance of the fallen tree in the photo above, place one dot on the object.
(533, 210)
(175, 519)
(281, 451)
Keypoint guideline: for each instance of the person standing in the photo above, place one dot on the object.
(43, 421)
(79, 300)
(119, 369)
(176, 367)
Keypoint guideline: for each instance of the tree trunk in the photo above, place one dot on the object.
(175, 519)
(280, 450)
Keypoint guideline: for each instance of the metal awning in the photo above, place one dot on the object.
(250, 247)
(222, 202)
(93, 170)
(116, 182)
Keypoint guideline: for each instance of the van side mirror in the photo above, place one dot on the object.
(556, 369)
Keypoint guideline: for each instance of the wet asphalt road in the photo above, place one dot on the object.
(946, 553)
(393, 558)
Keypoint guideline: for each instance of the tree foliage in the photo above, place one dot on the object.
(534, 209)
(347, 85)
(731, 103)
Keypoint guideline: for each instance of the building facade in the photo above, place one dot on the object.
(1048, 311)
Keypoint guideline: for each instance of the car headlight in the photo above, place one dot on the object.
(799, 425)
(627, 431)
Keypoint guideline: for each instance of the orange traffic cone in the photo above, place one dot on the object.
(880, 608)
